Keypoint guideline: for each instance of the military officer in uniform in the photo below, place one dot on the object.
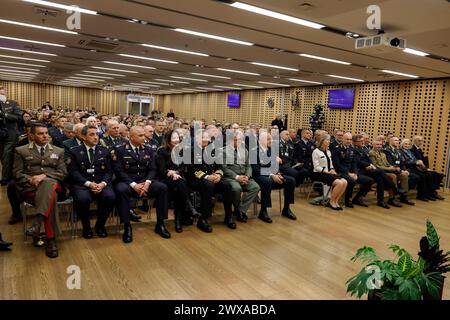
(269, 178)
(135, 169)
(10, 116)
(91, 176)
(75, 141)
(238, 172)
(303, 150)
(149, 139)
(39, 169)
(112, 137)
(345, 162)
(206, 177)
(289, 165)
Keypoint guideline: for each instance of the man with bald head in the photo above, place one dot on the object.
(135, 168)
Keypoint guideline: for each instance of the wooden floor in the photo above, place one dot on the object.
(304, 259)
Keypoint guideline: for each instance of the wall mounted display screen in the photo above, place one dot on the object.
(234, 100)
(341, 98)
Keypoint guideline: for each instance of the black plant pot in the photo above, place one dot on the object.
(374, 295)
(427, 296)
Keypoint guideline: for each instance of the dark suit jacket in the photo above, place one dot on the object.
(418, 153)
(129, 167)
(79, 164)
(58, 137)
(69, 144)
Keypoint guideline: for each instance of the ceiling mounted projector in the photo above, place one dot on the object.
(380, 43)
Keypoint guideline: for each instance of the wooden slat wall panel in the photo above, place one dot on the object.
(34, 95)
(405, 108)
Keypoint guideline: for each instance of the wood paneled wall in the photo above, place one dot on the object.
(34, 95)
(406, 108)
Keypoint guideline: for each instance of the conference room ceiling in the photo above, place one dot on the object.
(104, 37)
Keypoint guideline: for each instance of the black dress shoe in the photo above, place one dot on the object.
(34, 230)
(431, 197)
(4, 245)
(405, 200)
(349, 204)
(229, 222)
(422, 198)
(51, 250)
(15, 219)
(101, 232)
(383, 204)
(161, 229)
(334, 208)
(241, 216)
(178, 225)
(360, 202)
(203, 225)
(87, 233)
(394, 203)
(264, 216)
(437, 196)
(127, 236)
(134, 216)
(289, 214)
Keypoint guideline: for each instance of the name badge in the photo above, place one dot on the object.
(54, 156)
(90, 171)
(397, 162)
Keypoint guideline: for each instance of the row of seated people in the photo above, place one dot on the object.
(114, 176)
(117, 174)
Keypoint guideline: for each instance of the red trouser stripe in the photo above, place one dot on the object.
(48, 223)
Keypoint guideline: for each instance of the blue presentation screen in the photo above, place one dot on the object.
(234, 100)
(341, 98)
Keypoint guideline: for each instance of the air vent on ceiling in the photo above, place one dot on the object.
(100, 45)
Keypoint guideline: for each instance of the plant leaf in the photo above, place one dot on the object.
(432, 235)
(405, 263)
(366, 254)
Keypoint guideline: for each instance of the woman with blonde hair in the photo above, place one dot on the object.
(324, 172)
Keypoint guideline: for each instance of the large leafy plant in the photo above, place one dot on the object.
(402, 278)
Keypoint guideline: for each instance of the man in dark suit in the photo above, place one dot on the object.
(345, 161)
(279, 123)
(75, 141)
(436, 177)
(267, 175)
(91, 175)
(112, 136)
(303, 150)
(57, 132)
(10, 117)
(135, 169)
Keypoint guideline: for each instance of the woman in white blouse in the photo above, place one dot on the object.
(324, 172)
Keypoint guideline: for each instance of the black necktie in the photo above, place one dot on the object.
(91, 155)
(42, 151)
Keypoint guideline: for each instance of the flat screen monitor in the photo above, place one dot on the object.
(234, 100)
(341, 98)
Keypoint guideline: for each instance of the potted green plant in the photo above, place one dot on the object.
(402, 278)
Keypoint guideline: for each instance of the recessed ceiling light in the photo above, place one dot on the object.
(77, 80)
(324, 59)
(111, 69)
(277, 15)
(416, 52)
(193, 79)
(81, 78)
(32, 41)
(273, 66)
(228, 87)
(274, 84)
(146, 58)
(400, 74)
(247, 86)
(23, 64)
(92, 76)
(28, 51)
(129, 65)
(22, 58)
(105, 73)
(305, 81)
(176, 50)
(20, 68)
(211, 89)
(174, 81)
(15, 75)
(211, 36)
(238, 71)
(151, 82)
(62, 6)
(36, 26)
(345, 78)
(19, 71)
(209, 75)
